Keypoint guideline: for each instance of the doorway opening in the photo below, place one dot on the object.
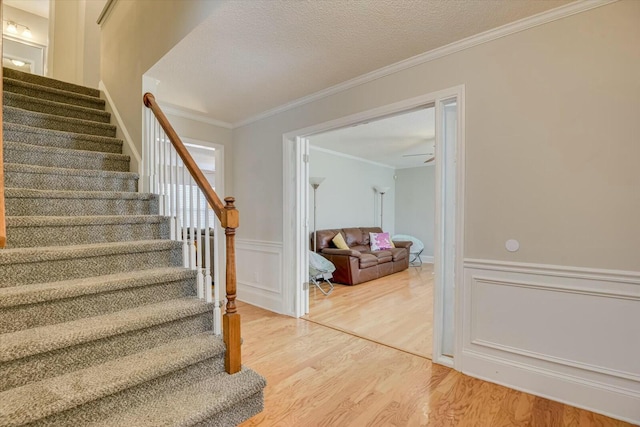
(377, 176)
(449, 198)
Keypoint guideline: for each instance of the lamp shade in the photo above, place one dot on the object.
(381, 189)
(316, 180)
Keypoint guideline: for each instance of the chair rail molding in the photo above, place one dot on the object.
(562, 332)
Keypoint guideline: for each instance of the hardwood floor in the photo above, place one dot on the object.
(318, 376)
(395, 310)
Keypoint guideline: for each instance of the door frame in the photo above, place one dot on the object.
(296, 196)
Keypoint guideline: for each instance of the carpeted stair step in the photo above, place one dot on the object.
(56, 108)
(28, 202)
(222, 400)
(49, 82)
(52, 157)
(35, 354)
(123, 378)
(33, 231)
(53, 122)
(52, 94)
(18, 175)
(32, 306)
(58, 139)
(23, 266)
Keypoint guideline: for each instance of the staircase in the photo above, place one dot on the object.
(99, 322)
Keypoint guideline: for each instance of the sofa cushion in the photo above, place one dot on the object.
(339, 242)
(353, 236)
(361, 248)
(366, 231)
(324, 238)
(382, 256)
(399, 253)
(368, 260)
(380, 241)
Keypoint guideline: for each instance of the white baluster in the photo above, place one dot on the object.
(173, 188)
(185, 246)
(192, 221)
(167, 176)
(142, 184)
(218, 282)
(161, 171)
(199, 247)
(207, 258)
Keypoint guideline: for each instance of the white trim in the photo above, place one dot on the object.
(294, 198)
(424, 165)
(106, 11)
(256, 292)
(467, 43)
(552, 385)
(186, 113)
(427, 259)
(349, 156)
(620, 276)
(129, 147)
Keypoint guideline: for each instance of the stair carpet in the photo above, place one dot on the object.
(99, 323)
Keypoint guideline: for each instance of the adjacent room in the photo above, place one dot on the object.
(377, 176)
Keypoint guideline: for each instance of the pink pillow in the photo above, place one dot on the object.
(380, 241)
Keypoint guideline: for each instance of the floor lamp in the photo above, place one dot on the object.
(315, 182)
(381, 190)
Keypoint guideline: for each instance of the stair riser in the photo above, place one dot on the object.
(238, 413)
(112, 404)
(48, 82)
(68, 183)
(64, 160)
(67, 98)
(46, 365)
(65, 310)
(27, 103)
(31, 237)
(44, 121)
(79, 207)
(75, 268)
(71, 141)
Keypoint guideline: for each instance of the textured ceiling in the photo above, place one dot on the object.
(393, 141)
(251, 56)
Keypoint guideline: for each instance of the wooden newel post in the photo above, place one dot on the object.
(231, 318)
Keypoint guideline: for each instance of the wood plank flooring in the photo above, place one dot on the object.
(318, 376)
(395, 310)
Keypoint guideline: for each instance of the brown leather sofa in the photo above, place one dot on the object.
(358, 263)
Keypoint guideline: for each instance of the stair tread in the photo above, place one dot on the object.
(49, 253)
(27, 342)
(8, 82)
(9, 126)
(44, 221)
(45, 170)
(32, 101)
(49, 82)
(191, 404)
(41, 292)
(66, 194)
(40, 399)
(9, 110)
(66, 151)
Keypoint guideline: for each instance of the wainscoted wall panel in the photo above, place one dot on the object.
(259, 272)
(570, 334)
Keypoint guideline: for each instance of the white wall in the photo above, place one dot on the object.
(551, 160)
(415, 205)
(346, 197)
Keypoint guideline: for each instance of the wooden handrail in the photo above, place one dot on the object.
(229, 219)
(3, 224)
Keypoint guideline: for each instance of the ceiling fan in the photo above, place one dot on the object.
(429, 160)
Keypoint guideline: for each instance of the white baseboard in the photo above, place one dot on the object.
(564, 333)
(428, 259)
(259, 273)
(128, 148)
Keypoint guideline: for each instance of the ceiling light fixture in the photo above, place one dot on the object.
(14, 28)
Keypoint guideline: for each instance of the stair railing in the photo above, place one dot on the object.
(169, 171)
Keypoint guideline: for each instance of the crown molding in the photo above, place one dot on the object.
(185, 113)
(106, 10)
(349, 156)
(467, 43)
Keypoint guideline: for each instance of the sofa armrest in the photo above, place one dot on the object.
(335, 251)
(402, 244)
